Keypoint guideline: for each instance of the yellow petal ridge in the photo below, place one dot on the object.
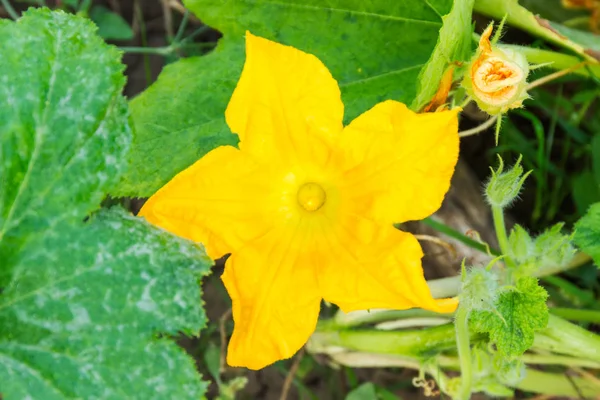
(403, 161)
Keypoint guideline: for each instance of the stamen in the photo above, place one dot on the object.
(311, 196)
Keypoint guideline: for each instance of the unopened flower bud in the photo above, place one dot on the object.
(553, 247)
(520, 245)
(504, 187)
(496, 77)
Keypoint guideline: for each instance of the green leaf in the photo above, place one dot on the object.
(454, 44)
(180, 118)
(212, 360)
(86, 308)
(111, 26)
(595, 144)
(81, 315)
(583, 43)
(63, 122)
(376, 52)
(586, 191)
(587, 233)
(366, 391)
(520, 311)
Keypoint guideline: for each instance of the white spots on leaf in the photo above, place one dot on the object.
(146, 303)
(81, 318)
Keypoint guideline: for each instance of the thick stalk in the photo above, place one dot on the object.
(461, 326)
(563, 337)
(553, 384)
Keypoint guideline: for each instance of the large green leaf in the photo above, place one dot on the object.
(375, 49)
(84, 306)
(63, 122)
(78, 319)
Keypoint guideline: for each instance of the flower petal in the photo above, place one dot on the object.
(275, 299)
(385, 273)
(402, 161)
(286, 106)
(219, 201)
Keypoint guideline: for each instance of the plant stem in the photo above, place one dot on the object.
(355, 318)
(500, 227)
(574, 314)
(556, 75)
(540, 359)
(563, 337)
(449, 287)
(479, 128)
(182, 26)
(461, 326)
(162, 51)
(9, 9)
(559, 61)
(553, 384)
(440, 227)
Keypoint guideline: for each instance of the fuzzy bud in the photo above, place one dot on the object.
(553, 247)
(479, 289)
(496, 77)
(504, 187)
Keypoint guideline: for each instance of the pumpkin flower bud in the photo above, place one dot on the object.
(497, 77)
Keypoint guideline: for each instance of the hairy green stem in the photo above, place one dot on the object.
(461, 326)
(9, 9)
(500, 227)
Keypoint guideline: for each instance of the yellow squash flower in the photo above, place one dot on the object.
(306, 206)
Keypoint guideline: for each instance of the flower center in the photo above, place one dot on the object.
(311, 196)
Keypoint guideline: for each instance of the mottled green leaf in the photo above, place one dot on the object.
(80, 317)
(375, 49)
(63, 122)
(587, 233)
(520, 311)
(85, 307)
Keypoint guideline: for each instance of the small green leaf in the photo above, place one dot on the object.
(212, 360)
(111, 26)
(586, 191)
(587, 233)
(366, 391)
(520, 311)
